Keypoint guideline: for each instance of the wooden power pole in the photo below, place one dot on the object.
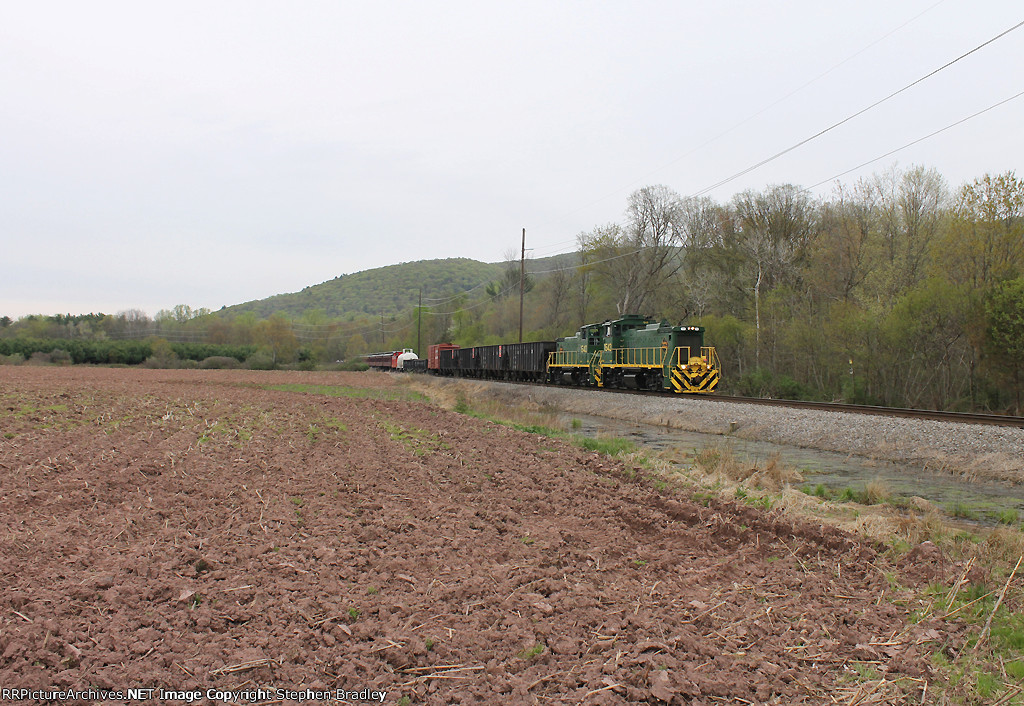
(522, 282)
(419, 318)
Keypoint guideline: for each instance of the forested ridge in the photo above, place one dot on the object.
(899, 289)
(384, 289)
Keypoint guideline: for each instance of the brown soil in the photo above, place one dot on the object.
(192, 529)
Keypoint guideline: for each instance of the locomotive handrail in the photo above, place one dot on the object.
(707, 354)
(573, 359)
(635, 357)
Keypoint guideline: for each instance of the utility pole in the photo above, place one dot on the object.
(522, 282)
(419, 318)
(382, 329)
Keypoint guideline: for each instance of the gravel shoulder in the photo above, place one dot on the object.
(973, 451)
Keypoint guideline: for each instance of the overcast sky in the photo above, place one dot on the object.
(210, 153)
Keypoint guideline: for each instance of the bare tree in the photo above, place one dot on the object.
(135, 323)
(773, 230)
(559, 285)
(582, 281)
(909, 207)
(636, 260)
(614, 260)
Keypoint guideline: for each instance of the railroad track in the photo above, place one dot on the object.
(962, 417)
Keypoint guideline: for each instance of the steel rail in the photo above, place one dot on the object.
(931, 414)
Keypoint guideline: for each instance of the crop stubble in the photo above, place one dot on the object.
(194, 529)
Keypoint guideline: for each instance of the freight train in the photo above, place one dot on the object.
(629, 352)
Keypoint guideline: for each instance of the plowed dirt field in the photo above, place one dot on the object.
(231, 530)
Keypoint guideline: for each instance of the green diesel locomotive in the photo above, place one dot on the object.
(639, 352)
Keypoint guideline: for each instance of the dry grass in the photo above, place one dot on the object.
(772, 475)
(1002, 545)
(461, 395)
(905, 690)
(877, 491)
(913, 528)
(798, 503)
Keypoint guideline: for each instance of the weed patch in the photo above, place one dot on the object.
(418, 441)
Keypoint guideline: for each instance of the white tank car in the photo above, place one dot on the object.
(406, 354)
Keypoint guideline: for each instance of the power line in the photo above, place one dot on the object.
(914, 142)
(847, 119)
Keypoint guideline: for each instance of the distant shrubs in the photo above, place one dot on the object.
(96, 352)
(39, 358)
(60, 357)
(260, 360)
(14, 351)
(54, 357)
(219, 362)
(202, 351)
(855, 392)
(162, 355)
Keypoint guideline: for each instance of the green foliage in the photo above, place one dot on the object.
(203, 351)
(60, 357)
(262, 359)
(764, 383)
(819, 490)
(96, 352)
(531, 652)
(613, 446)
(102, 352)
(1004, 335)
(217, 362)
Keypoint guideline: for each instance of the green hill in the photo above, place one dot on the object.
(390, 289)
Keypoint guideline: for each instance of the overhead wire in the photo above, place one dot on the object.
(860, 112)
(914, 142)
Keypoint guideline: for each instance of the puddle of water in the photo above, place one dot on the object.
(833, 470)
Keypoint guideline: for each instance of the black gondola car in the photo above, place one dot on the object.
(418, 365)
(491, 361)
(469, 361)
(528, 361)
(448, 361)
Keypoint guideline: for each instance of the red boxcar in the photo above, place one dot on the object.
(434, 354)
